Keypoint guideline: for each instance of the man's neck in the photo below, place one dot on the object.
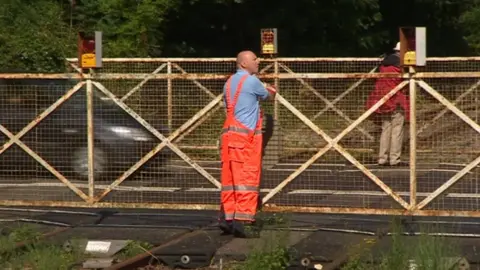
(243, 70)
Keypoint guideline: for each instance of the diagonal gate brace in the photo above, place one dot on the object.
(333, 143)
(165, 141)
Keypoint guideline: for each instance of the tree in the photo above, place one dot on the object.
(36, 36)
(33, 36)
(306, 27)
(130, 28)
(470, 22)
(441, 17)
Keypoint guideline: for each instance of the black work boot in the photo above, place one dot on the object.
(223, 224)
(245, 229)
(226, 226)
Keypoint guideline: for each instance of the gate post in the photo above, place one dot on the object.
(272, 139)
(90, 139)
(413, 138)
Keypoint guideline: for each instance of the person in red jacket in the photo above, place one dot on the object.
(392, 113)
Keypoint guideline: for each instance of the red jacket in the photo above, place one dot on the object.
(385, 85)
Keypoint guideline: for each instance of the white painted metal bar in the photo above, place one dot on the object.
(75, 67)
(413, 140)
(209, 114)
(448, 184)
(334, 143)
(230, 59)
(165, 141)
(219, 76)
(282, 59)
(342, 95)
(445, 110)
(212, 95)
(169, 98)
(144, 81)
(197, 124)
(449, 105)
(90, 140)
(215, 190)
(44, 164)
(324, 99)
(276, 111)
(470, 166)
(42, 116)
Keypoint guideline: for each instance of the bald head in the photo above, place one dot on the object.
(244, 55)
(248, 61)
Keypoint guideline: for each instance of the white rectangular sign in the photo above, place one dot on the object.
(98, 246)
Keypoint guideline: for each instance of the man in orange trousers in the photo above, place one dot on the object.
(241, 147)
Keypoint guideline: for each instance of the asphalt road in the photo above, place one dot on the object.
(321, 185)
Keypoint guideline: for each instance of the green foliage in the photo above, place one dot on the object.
(36, 36)
(431, 251)
(358, 255)
(41, 255)
(133, 248)
(16, 235)
(33, 36)
(24, 233)
(426, 252)
(35, 255)
(131, 28)
(271, 251)
(271, 254)
(470, 20)
(274, 259)
(398, 255)
(44, 257)
(305, 28)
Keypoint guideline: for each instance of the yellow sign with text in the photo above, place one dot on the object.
(88, 60)
(409, 58)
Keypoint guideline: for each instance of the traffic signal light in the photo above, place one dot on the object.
(90, 50)
(413, 46)
(268, 38)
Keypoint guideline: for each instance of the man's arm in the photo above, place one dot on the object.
(263, 90)
(224, 99)
(272, 92)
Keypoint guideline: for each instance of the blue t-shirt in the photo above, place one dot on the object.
(248, 107)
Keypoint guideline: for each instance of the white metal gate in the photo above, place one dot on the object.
(321, 150)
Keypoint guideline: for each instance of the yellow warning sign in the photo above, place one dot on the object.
(88, 60)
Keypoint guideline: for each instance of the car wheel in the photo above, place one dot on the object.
(80, 162)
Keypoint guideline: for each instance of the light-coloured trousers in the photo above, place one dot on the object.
(391, 140)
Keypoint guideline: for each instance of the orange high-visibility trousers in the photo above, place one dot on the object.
(241, 156)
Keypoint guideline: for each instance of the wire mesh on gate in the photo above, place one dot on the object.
(448, 138)
(41, 136)
(313, 173)
(156, 125)
(181, 111)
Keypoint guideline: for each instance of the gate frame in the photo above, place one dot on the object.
(414, 79)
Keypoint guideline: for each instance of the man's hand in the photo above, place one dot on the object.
(271, 89)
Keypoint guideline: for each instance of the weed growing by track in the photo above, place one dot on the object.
(35, 254)
(272, 252)
(133, 248)
(41, 255)
(424, 252)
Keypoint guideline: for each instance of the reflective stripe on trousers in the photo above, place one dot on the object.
(239, 216)
(240, 188)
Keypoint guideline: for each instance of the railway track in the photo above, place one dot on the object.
(195, 242)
